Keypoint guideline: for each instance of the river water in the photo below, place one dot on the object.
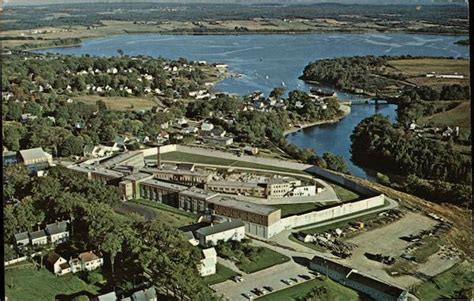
(268, 61)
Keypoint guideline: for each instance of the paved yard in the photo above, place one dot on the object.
(385, 240)
(268, 277)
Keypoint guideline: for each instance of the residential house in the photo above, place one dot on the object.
(9, 158)
(36, 158)
(57, 264)
(207, 266)
(218, 140)
(90, 261)
(112, 296)
(38, 237)
(165, 125)
(22, 239)
(207, 126)
(58, 232)
(147, 294)
(181, 121)
(211, 235)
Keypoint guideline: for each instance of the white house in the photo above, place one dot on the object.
(213, 234)
(58, 232)
(90, 261)
(207, 265)
(22, 239)
(207, 126)
(181, 121)
(38, 237)
(58, 265)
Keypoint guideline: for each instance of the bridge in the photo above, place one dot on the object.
(365, 102)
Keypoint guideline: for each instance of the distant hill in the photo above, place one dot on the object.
(283, 2)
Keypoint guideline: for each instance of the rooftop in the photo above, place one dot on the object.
(21, 236)
(116, 160)
(243, 205)
(33, 154)
(53, 258)
(88, 256)
(138, 176)
(58, 227)
(38, 234)
(234, 184)
(209, 253)
(108, 173)
(166, 185)
(199, 193)
(217, 228)
(182, 172)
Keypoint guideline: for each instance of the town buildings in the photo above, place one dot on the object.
(207, 265)
(86, 261)
(211, 235)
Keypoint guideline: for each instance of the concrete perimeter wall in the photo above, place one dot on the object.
(330, 213)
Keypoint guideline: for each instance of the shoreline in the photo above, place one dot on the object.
(345, 108)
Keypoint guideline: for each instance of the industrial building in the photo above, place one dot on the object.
(376, 289)
(213, 234)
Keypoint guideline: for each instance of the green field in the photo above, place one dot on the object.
(344, 194)
(301, 290)
(27, 283)
(193, 158)
(168, 214)
(458, 116)
(445, 285)
(265, 259)
(222, 274)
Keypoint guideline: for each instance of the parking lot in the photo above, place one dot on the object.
(269, 277)
(386, 241)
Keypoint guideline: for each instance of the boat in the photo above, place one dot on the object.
(321, 92)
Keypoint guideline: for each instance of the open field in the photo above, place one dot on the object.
(28, 283)
(340, 292)
(344, 194)
(447, 284)
(262, 260)
(222, 274)
(119, 103)
(458, 116)
(418, 67)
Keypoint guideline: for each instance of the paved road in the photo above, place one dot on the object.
(268, 277)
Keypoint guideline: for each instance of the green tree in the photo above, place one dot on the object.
(72, 145)
(335, 162)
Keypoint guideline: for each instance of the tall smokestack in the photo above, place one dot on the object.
(158, 157)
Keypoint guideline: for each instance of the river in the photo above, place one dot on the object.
(268, 61)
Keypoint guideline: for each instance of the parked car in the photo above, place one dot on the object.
(269, 288)
(287, 281)
(257, 291)
(248, 296)
(295, 280)
(238, 279)
(305, 277)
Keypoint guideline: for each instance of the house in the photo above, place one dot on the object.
(36, 158)
(22, 239)
(218, 140)
(147, 294)
(38, 237)
(376, 289)
(90, 261)
(27, 117)
(57, 264)
(58, 232)
(213, 234)
(9, 158)
(112, 296)
(207, 126)
(181, 121)
(207, 266)
(162, 137)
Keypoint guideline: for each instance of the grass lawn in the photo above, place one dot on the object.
(169, 215)
(193, 158)
(31, 284)
(344, 194)
(422, 66)
(119, 103)
(301, 290)
(292, 209)
(444, 285)
(267, 258)
(429, 247)
(457, 116)
(222, 274)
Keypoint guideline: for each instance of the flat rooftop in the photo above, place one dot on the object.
(217, 228)
(116, 160)
(108, 173)
(199, 193)
(235, 184)
(182, 172)
(231, 202)
(165, 185)
(138, 176)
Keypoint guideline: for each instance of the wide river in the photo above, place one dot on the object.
(268, 61)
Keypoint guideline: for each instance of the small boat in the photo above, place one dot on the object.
(320, 92)
(266, 76)
(283, 84)
(261, 59)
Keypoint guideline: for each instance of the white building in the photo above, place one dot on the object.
(213, 234)
(38, 237)
(308, 190)
(58, 232)
(207, 126)
(207, 265)
(58, 265)
(90, 261)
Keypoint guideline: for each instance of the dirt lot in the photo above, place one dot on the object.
(385, 240)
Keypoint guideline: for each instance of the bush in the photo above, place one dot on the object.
(95, 277)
